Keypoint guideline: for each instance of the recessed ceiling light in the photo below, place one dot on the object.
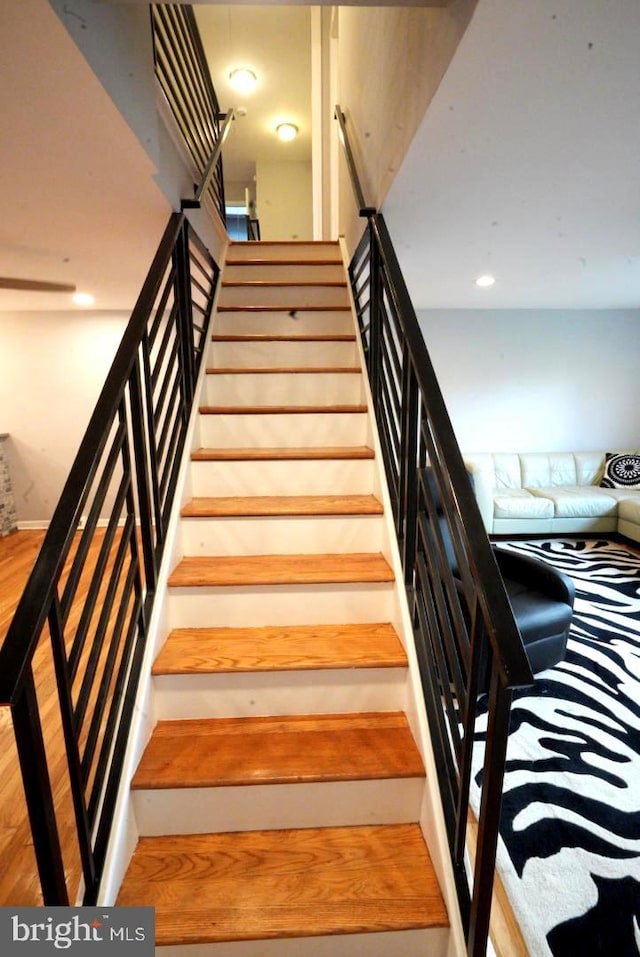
(485, 281)
(83, 299)
(243, 80)
(287, 131)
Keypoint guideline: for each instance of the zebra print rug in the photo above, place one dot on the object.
(569, 854)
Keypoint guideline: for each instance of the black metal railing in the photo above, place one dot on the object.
(468, 645)
(88, 602)
(184, 78)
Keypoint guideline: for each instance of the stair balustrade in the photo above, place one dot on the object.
(466, 638)
(184, 79)
(86, 609)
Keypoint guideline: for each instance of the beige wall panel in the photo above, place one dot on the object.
(284, 197)
(390, 63)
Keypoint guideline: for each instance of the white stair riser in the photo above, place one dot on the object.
(258, 272)
(235, 607)
(400, 943)
(288, 354)
(283, 251)
(330, 297)
(284, 535)
(277, 806)
(282, 324)
(304, 477)
(251, 694)
(283, 430)
(311, 388)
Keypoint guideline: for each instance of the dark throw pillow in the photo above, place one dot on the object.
(622, 470)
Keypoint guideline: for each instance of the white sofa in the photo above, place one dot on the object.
(540, 493)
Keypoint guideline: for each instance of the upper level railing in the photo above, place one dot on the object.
(466, 638)
(84, 615)
(184, 78)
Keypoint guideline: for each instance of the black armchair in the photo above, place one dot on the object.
(541, 597)
(542, 601)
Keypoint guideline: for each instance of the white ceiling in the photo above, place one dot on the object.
(527, 164)
(72, 172)
(274, 42)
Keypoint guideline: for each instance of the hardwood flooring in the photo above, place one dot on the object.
(18, 553)
(19, 883)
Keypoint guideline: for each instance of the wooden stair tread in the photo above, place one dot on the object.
(285, 308)
(295, 243)
(280, 648)
(283, 370)
(283, 262)
(260, 505)
(295, 883)
(284, 283)
(279, 409)
(306, 569)
(225, 752)
(266, 337)
(256, 454)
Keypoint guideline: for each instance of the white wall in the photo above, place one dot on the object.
(391, 59)
(52, 367)
(527, 380)
(284, 199)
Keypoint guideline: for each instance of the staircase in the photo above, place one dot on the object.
(279, 796)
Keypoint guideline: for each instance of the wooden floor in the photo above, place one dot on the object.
(18, 553)
(19, 883)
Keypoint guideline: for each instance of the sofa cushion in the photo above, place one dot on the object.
(589, 467)
(520, 503)
(629, 509)
(548, 469)
(507, 472)
(579, 501)
(622, 470)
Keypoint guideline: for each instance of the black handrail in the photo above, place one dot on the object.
(184, 78)
(364, 209)
(212, 165)
(92, 588)
(466, 637)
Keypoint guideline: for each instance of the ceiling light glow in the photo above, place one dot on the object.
(83, 299)
(243, 80)
(287, 131)
(485, 281)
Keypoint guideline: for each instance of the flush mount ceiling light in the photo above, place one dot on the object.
(243, 80)
(485, 281)
(83, 299)
(287, 131)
